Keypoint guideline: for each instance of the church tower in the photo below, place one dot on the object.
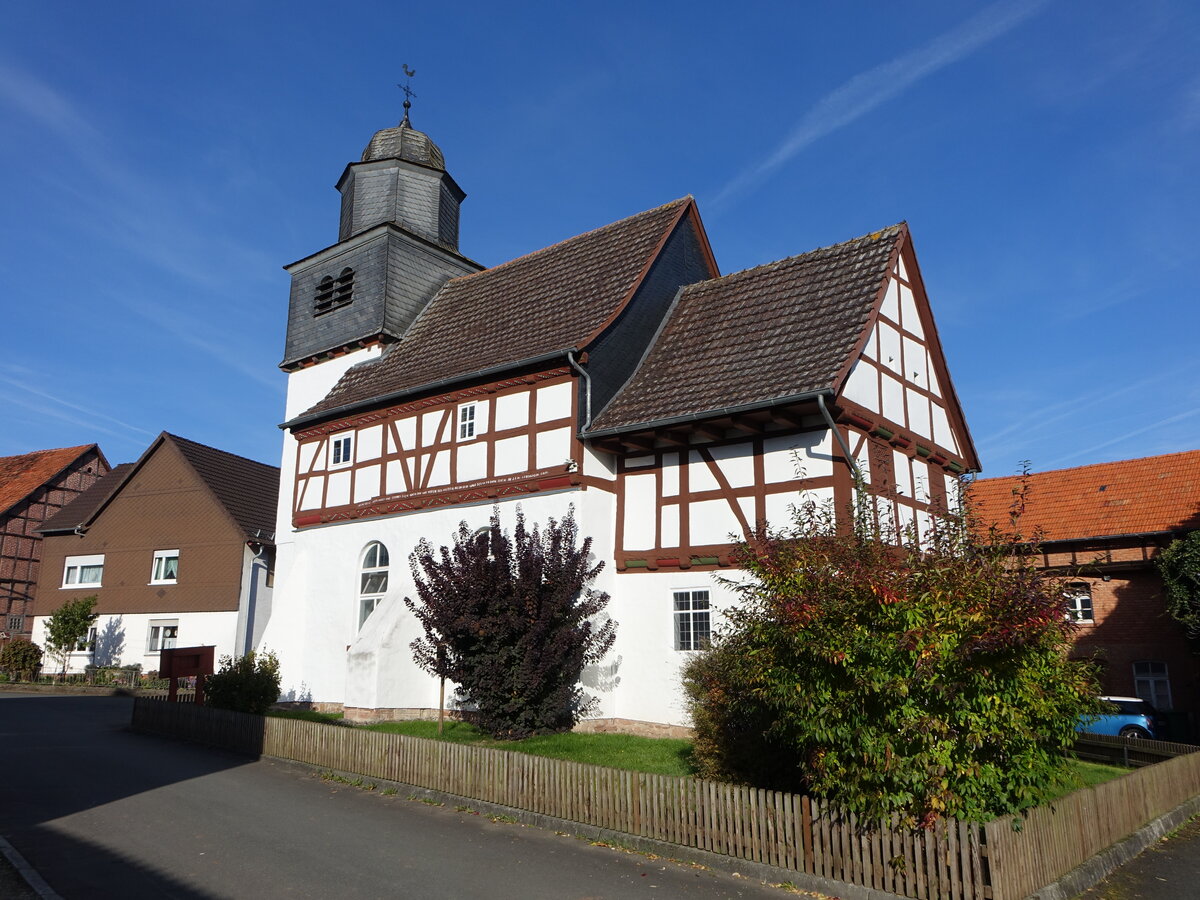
(397, 245)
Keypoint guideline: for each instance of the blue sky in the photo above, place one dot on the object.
(160, 162)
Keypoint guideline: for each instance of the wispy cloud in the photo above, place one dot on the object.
(46, 105)
(867, 90)
(1090, 449)
(62, 409)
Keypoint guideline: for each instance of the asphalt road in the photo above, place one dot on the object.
(101, 812)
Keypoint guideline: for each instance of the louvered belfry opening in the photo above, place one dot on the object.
(334, 292)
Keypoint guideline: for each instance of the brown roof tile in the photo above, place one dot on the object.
(774, 331)
(551, 300)
(248, 490)
(1135, 496)
(21, 475)
(85, 505)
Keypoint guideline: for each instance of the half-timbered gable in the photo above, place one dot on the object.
(756, 396)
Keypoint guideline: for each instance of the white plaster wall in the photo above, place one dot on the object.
(122, 638)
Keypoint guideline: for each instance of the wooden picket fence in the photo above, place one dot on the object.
(952, 861)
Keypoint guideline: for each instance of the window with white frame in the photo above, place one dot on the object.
(466, 421)
(166, 567)
(83, 571)
(163, 635)
(341, 450)
(1151, 683)
(693, 627)
(87, 643)
(373, 580)
(1078, 595)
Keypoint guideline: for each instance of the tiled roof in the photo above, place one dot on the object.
(775, 331)
(21, 475)
(1135, 496)
(248, 490)
(85, 505)
(551, 300)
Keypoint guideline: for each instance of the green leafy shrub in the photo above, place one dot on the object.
(928, 682)
(68, 626)
(1179, 566)
(247, 683)
(21, 659)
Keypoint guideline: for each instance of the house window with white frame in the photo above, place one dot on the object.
(166, 567)
(163, 635)
(1079, 602)
(373, 580)
(83, 571)
(693, 625)
(87, 643)
(1152, 684)
(467, 414)
(341, 450)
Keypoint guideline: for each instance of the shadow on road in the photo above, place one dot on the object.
(72, 768)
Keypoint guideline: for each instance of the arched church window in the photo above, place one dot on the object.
(373, 580)
(334, 292)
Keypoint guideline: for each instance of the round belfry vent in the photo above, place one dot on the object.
(405, 142)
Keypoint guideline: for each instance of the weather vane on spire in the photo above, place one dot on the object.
(408, 91)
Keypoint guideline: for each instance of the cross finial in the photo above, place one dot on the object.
(408, 91)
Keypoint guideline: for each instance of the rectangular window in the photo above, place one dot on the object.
(693, 627)
(163, 635)
(1079, 601)
(1150, 682)
(16, 624)
(83, 571)
(166, 567)
(341, 450)
(87, 643)
(466, 421)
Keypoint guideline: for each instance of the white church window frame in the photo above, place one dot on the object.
(692, 619)
(466, 427)
(341, 450)
(372, 580)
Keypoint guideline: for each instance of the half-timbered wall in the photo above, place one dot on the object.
(900, 376)
(495, 440)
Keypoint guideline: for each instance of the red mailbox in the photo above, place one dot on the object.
(183, 662)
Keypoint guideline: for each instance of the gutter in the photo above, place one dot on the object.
(708, 414)
(850, 460)
(587, 381)
(347, 408)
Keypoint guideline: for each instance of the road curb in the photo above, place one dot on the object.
(32, 877)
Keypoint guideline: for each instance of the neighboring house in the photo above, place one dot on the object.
(33, 487)
(177, 547)
(616, 372)
(1102, 526)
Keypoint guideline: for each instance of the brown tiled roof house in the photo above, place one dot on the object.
(176, 547)
(1102, 526)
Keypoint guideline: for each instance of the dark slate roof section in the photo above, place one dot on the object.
(249, 490)
(752, 338)
(83, 507)
(550, 301)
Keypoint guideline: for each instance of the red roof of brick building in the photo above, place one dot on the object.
(21, 475)
(1135, 496)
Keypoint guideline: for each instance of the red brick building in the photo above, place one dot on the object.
(1102, 526)
(33, 487)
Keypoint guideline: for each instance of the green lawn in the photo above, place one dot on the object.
(660, 756)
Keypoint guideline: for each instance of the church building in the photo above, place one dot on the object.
(616, 372)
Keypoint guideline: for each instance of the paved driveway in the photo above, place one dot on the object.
(102, 812)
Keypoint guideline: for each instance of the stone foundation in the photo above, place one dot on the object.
(315, 706)
(634, 727)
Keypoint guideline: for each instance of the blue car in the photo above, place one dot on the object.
(1129, 717)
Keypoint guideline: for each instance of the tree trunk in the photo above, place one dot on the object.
(441, 703)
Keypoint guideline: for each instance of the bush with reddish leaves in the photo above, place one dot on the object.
(512, 621)
(892, 678)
